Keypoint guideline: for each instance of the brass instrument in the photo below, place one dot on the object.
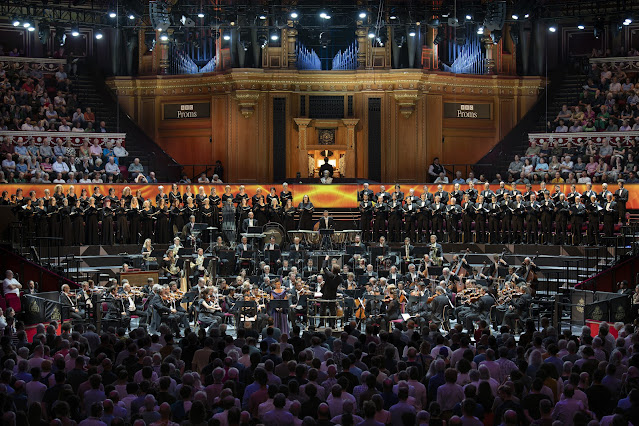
(173, 269)
(433, 254)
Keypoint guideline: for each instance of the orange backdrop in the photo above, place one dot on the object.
(322, 196)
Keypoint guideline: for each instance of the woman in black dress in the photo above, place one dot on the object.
(134, 221)
(112, 197)
(271, 195)
(260, 211)
(97, 195)
(72, 196)
(205, 213)
(58, 194)
(84, 198)
(121, 223)
(240, 195)
(227, 195)
(26, 214)
(91, 215)
(214, 202)
(289, 216)
(200, 197)
(107, 223)
(140, 197)
(146, 220)
(174, 195)
(163, 232)
(274, 211)
(306, 213)
(285, 195)
(77, 223)
(177, 221)
(187, 194)
(190, 209)
(126, 195)
(41, 219)
(242, 212)
(54, 218)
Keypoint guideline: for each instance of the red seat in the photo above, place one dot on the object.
(3, 304)
(13, 301)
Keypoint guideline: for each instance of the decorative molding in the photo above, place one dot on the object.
(42, 64)
(76, 139)
(569, 139)
(247, 100)
(406, 100)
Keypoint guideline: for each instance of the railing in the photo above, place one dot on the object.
(40, 64)
(569, 139)
(76, 139)
(346, 60)
(626, 63)
(451, 169)
(307, 59)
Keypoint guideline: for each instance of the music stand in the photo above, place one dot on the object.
(279, 304)
(502, 271)
(355, 294)
(435, 270)
(326, 237)
(198, 228)
(377, 251)
(363, 279)
(272, 256)
(355, 250)
(210, 229)
(420, 251)
(254, 230)
(244, 308)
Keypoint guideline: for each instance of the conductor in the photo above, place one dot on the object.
(326, 166)
(332, 280)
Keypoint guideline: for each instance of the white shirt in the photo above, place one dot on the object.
(112, 168)
(59, 167)
(119, 151)
(5, 286)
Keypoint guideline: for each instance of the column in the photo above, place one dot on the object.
(291, 40)
(490, 62)
(302, 152)
(351, 154)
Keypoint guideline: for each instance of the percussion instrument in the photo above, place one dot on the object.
(274, 229)
(338, 237)
(351, 234)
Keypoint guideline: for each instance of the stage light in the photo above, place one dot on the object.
(327, 17)
(438, 38)
(274, 36)
(112, 14)
(98, 35)
(552, 29)
(362, 15)
(263, 16)
(581, 26)
(164, 37)
(200, 15)
(480, 30)
(323, 15)
(26, 24)
(16, 22)
(262, 41)
(393, 17)
(527, 15)
(75, 31)
(433, 23)
(515, 16)
(227, 37)
(371, 34)
(469, 17)
(412, 31)
(31, 28)
(294, 15)
(627, 22)
(131, 16)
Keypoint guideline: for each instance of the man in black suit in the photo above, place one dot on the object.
(326, 222)
(69, 299)
(187, 230)
(365, 191)
(115, 309)
(479, 310)
(621, 197)
(393, 276)
(437, 305)
(249, 222)
(333, 280)
(326, 166)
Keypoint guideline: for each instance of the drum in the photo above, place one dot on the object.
(339, 237)
(296, 233)
(351, 234)
(312, 238)
(273, 229)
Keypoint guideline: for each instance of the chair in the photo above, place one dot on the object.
(13, 301)
(446, 318)
(3, 304)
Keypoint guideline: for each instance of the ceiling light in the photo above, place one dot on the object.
(445, 14)
(227, 37)
(323, 15)
(26, 24)
(112, 14)
(328, 17)
(469, 17)
(131, 16)
(362, 15)
(164, 37)
(527, 15)
(294, 15)
(75, 31)
(31, 28)
(480, 30)
(200, 15)
(371, 34)
(628, 21)
(274, 36)
(262, 16)
(393, 17)
(581, 26)
(411, 31)
(515, 16)
(552, 28)
(16, 22)
(98, 35)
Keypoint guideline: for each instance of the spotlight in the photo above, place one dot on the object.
(26, 24)
(412, 31)
(262, 40)
(552, 29)
(496, 36)
(98, 35)
(393, 17)
(627, 22)
(112, 14)
(515, 16)
(164, 37)
(371, 34)
(433, 23)
(262, 16)
(245, 44)
(327, 17)
(527, 15)
(294, 15)
(325, 39)
(323, 15)
(362, 15)
(274, 36)
(469, 17)
(480, 30)
(438, 38)
(227, 37)
(581, 26)
(75, 31)
(131, 16)
(200, 15)
(16, 22)
(31, 28)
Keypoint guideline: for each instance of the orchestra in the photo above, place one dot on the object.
(374, 283)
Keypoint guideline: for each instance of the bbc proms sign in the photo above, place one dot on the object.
(189, 110)
(467, 111)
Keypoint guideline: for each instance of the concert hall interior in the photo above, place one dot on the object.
(304, 212)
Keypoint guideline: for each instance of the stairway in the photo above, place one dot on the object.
(93, 92)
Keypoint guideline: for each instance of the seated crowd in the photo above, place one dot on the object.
(366, 378)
